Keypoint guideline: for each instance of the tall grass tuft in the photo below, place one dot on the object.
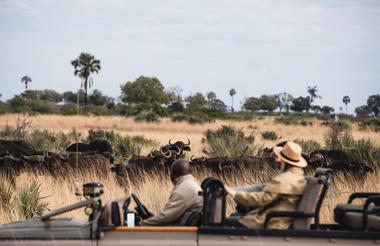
(6, 194)
(337, 133)
(270, 135)
(229, 142)
(364, 150)
(308, 145)
(29, 201)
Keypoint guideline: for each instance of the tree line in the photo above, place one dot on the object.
(147, 94)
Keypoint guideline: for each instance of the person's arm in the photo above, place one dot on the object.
(255, 198)
(174, 208)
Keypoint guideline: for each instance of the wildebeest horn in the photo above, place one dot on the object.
(151, 154)
(39, 158)
(11, 157)
(63, 155)
(170, 139)
(179, 150)
(188, 141)
(203, 158)
(191, 157)
(220, 166)
(168, 155)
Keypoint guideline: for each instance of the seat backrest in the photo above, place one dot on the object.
(312, 198)
(214, 201)
(114, 210)
(308, 202)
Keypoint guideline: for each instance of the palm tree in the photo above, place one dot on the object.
(26, 79)
(312, 90)
(84, 65)
(346, 100)
(232, 93)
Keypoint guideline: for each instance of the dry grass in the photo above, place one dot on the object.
(162, 131)
(154, 189)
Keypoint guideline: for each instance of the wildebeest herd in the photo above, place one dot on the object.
(18, 156)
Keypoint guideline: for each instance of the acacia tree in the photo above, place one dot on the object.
(84, 66)
(346, 100)
(283, 100)
(26, 79)
(232, 94)
(144, 90)
(252, 104)
(195, 101)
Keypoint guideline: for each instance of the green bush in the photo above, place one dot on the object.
(42, 107)
(97, 110)
(200, 118)
(143, 141)
(180, 117)
(29, 201)
(148, 116)
(286, 120)
(308, 145)
(69, 109)
(211, 113)
(98, 133)
(306, 123)
(124, 146)
(229, 142)
(45, 140)
(373, 124)
(270, 135)
(337, 133)
(364, 150)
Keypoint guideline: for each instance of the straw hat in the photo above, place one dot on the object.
(291, 153)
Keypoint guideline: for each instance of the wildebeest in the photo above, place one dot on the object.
(98, 146)
(178, 147)
(174, 151)
(216, 164)
(338, 160)
(154, 160)
(16, 148)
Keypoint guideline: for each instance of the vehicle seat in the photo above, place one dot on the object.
(359, 216)
(310, 202)
(214, 202)
(114, 211)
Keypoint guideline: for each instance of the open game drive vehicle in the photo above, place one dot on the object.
(107, 224)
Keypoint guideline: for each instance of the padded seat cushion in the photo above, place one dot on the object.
(341, 209)
(355, 220)
(307, 202)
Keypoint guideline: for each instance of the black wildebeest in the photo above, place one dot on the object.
(338, 160)
(154, 160)
(98, 146)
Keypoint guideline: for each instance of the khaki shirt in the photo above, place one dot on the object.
(183, 198)
(282, 193)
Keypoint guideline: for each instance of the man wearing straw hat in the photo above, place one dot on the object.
(282, 193)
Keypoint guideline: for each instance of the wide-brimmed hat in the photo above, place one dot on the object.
(291, 153)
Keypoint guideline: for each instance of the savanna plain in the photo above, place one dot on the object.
(153, 188)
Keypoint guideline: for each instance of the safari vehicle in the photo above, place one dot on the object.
(106, 223)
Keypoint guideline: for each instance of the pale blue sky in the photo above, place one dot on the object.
(256, 47)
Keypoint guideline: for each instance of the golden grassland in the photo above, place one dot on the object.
(154, 189)
(166, 129)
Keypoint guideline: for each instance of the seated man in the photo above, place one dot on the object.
(183, 198)
(282, 193)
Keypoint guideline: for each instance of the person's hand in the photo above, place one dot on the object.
(230, 191)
